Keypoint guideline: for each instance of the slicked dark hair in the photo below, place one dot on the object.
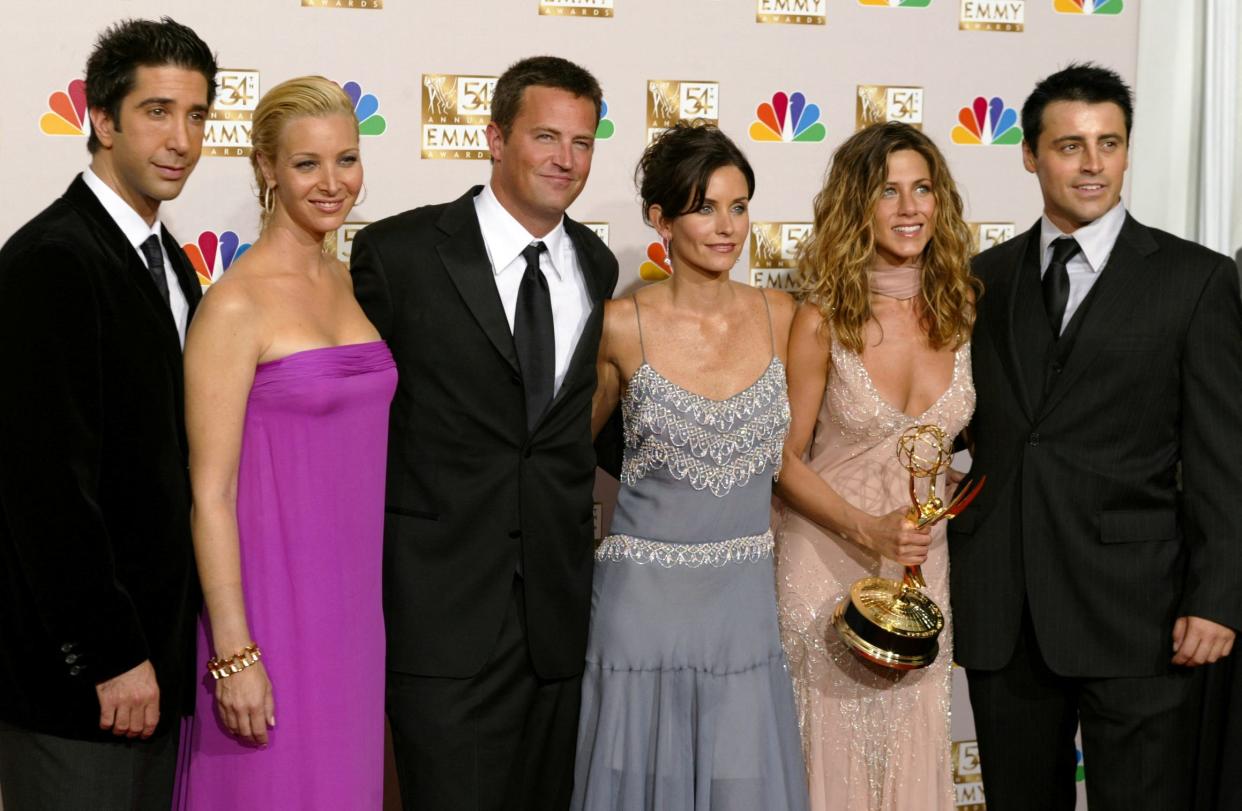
(130, 44)
(1081, 81)
(540, 71)
(675, 168)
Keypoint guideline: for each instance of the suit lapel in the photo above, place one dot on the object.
(186, 277)
(126, 257)
(586, 350)
(1117, 292)
(464, 256)
(1001, 315)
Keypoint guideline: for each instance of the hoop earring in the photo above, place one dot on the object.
(269, 205)
(359, 200)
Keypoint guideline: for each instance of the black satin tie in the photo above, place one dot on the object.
(533, 335)
(1056, 281)
(155, 264)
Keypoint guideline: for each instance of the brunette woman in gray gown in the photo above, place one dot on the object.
(686, 701)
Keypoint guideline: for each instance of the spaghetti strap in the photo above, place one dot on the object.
(637, 318)
(767, 308)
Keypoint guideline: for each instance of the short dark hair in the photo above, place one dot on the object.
(675, 168)
(1081, 81)
(540, 71)
(125, 46)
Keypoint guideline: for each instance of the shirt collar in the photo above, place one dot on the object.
(505, 237)
(1096, 239)
(132, 225)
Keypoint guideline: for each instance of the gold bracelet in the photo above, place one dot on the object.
(244, 658)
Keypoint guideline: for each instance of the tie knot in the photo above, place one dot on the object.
(531, 252)
(151, 251)
(1064, 249)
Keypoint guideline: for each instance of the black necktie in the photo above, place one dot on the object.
(1056, 281)
(155, 264)
(533, 335)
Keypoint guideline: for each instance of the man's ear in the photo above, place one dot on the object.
(495, 140)
(1028, 157)
(102, 126)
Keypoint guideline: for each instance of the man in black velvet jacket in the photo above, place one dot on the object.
(97, 586)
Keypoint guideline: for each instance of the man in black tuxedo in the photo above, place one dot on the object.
(97, 586)
(492, 305)
(1102, 563)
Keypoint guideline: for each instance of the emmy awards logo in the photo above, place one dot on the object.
(880, 103)
(600, 229)
(231, 117)
(992, 15)
(774, 252)
(894, 624)
(576, 8)
(985, 235)
(670, 101)
(341, 241)
(791, 12)
(456, 110)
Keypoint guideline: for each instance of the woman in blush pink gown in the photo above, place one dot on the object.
(880, 345)
(288, 390)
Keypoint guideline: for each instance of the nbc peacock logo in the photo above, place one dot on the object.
(213, 254)
(366, 110)
(896, 3)
(787, 118)
(66, 113)
(606, 128)
(1087, 6)
(656, 267)
(987, 123)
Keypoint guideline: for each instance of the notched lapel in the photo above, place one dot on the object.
(1121, 286)
(586, 350)
(465, 258)
(110, 235)
(1001, 314)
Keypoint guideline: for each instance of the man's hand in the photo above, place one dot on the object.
(1197, 641)
(129, 704)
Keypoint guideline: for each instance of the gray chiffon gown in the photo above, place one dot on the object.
(686, 698)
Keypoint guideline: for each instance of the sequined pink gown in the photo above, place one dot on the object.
(875, 739)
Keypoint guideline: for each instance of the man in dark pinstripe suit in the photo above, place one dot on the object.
(1102, 563)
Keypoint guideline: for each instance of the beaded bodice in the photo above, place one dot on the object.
(699, 470)
(709, 444)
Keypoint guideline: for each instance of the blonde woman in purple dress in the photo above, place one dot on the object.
(288, 388)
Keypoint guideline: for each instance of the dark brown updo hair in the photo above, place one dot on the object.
(675, 168)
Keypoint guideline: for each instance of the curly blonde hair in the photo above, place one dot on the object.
(833, 261)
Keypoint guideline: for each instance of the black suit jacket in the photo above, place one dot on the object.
(96, 563)
(1082, 513)
(470, 493)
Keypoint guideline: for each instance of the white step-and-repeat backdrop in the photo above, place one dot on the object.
(787, 79)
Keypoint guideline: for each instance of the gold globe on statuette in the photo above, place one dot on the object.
(892, 623)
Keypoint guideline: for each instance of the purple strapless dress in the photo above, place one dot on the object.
(310, 513)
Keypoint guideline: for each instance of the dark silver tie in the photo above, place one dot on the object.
(1056, 281)
(155, 264)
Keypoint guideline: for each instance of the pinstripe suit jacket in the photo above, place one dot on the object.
(1085, 514)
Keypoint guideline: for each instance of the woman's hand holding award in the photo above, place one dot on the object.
(891, 623)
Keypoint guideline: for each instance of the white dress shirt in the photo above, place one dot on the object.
(571, 303)
(1096, 241)
(137, 232)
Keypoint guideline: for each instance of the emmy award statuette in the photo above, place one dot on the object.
(891, 623)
